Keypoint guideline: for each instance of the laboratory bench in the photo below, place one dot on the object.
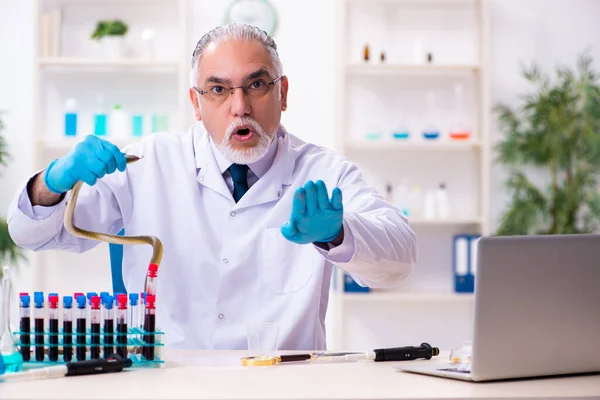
(219, 375)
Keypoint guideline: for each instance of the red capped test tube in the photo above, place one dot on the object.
(122, 325)
(151, 279)
(95, 327)
(53, 327)
(149, 327)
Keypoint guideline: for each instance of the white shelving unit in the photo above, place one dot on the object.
(77, 68)
(382, 95)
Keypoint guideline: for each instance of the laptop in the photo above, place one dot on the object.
(537, 309)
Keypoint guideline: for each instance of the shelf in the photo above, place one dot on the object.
(407, 297)
(67, 144)
(444, 222)
(73, 62)
(389, 145)
(113, 1)
(408, 69)
(420, 3)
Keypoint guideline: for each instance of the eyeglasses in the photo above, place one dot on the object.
(257, 88)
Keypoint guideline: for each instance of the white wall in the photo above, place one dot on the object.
(305, 41)
(549, 31)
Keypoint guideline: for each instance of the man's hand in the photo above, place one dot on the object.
(314, 219)
(89, 161)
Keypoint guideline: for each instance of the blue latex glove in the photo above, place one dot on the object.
(314, 217)
(89, 161)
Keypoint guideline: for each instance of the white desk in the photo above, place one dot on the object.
(217, 375)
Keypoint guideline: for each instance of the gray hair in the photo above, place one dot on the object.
(238, 32)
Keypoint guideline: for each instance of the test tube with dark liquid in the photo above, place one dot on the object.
(38, 327)
(80, 316)
(95, 327)
(149, 326)
(122, 325)
(53, 327)
(108, 326)
(67, 328)
(25, 326)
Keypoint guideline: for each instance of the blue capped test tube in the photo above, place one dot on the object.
(39, 314)
(109, 324)
(25, 326)
(67, 328)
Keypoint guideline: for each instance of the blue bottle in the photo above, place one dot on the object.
(100, 119)
(137, 125)
(70, 117)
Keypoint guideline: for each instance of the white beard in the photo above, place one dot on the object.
(249, 155)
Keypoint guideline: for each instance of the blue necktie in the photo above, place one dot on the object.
(239, 174)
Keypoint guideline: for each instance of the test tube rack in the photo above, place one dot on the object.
(139, 346)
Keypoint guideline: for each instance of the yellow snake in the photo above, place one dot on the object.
(157, 248)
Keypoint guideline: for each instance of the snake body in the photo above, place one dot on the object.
(157, 248)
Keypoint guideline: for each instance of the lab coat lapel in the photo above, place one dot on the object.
(270, 187)
(209, 174)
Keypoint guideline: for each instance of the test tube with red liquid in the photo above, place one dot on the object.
(149, 326)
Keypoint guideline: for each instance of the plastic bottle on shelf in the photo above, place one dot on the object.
(430, 204)
(431, 131)
(100, 118)
(374, 133)
(442, 202)
(416, 201)
(459, 130)
(389, 193)
(137, 125)
(119, 127)
(160, 123)
(401, 132)
(70, 117)
(402, 199)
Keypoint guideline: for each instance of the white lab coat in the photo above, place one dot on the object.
(226, 264)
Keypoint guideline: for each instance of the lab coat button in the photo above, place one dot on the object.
(221, 316)
(200, 178)
(225, 260)
(232, 213)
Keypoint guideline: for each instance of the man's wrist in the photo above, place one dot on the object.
(339, 239)
(328, 245)
(39, 194)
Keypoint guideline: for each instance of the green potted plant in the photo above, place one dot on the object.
(9, 251)
(111, 35)
(555, 131)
